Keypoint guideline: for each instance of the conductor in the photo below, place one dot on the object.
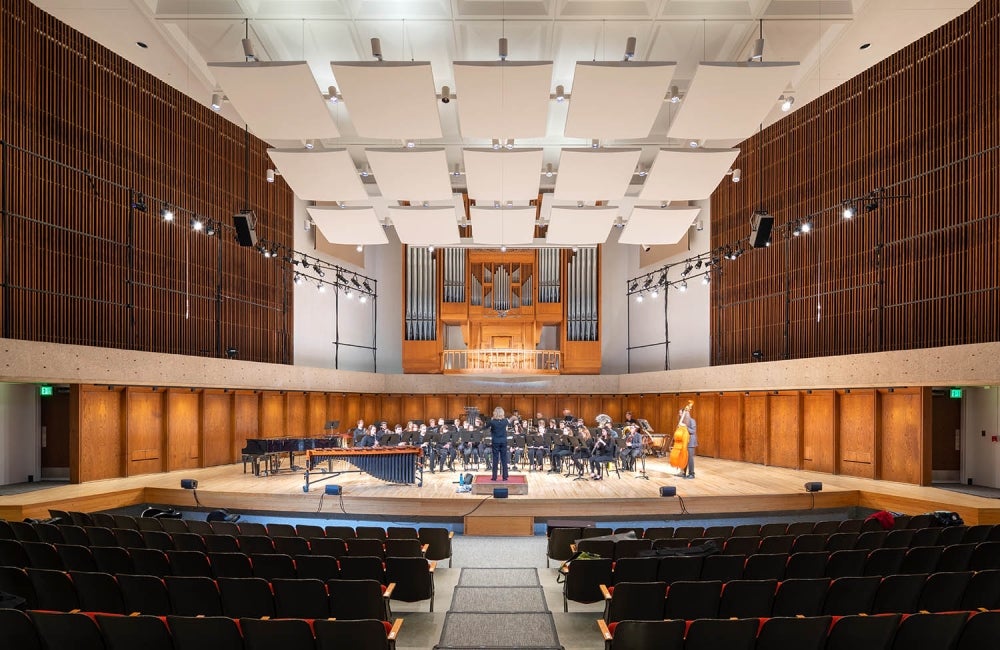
(498, 440)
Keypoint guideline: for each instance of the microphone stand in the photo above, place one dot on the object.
(642, 472)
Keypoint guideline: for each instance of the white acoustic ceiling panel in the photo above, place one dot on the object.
(411, 174)
(431, 226)
(503, 175)
(502, 99)
(617, 99)
(503, 226)
(728, 101)
(393, 100)
(654, 225)
(686, 174)
(279, 100)
(594, 174)
(349, 225)
(571, 226)
(320, 174)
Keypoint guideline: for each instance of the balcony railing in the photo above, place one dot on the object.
(501, 360)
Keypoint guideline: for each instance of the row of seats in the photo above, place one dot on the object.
(780, 566)
(897, 594)
(45, 630)
(561, 544)
(953, 630)
(437, 540)
(195, 596)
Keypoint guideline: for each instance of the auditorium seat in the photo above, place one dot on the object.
(363, 568)
(189, 563)
(826, 527)
(54, 589)
(862, 632)
(986, 555)
(781, 633)
(722, 567)
(370, 532)
(983, 591)
(776, 543)
(290, 633)
(199, 633)
(955, 557)
(851, 595)
(255, 544)
(604, 548)
(345, 635)
(871, 539)
(742, 545)
(642, 635)
(635, 569)
(230, 565)
(149, 523)
(414, 578)
(101, 536)
(201, 527)
(49, 533)
(679, 567)
(221, 543)
(366, 546)
(898, 594)
(841, 541)
(629, 548)
(158, 539)
(232, 528)
(921, 559)
(76, 558)
(144, 594)
(319, 567)
(129, 632)
(746, 530)
(81, 518)
(688, 532)
(942, 592)
(75, 535)
(122, 522)
(309, 531)
(129, 538)
(884, 561)
(42, 555)
(113, 560)
(302, 598)
(764, 566)
(343, 532)
(977, 533)
(732, 634)
(150, 562)
(247, 598)
(718, 531)
(898, 539)
(358, 599)
(175, 526)
(981, 631)
(14, 580)
(281, 530)
(292, 546)
(640, 601)
(401, 532)
(403, 548)
(98, 592)
(800, 597)
(809, 543)
(691, 600)
(800, 528)
(659, 532)
(272, 565)
(18, 630)
(194, 596)
(841, 564)
(61, 630)
(807, 565)
(333, 546)
(438, 541)
(929, 631)
(188, 541)
(583, 581)
(747, 598)
(951, 535)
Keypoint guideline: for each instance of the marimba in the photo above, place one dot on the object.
(392, 464)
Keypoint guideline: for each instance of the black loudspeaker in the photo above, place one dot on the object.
(668, 491)
(500, 493)
(814, 486)
(468, 479)
(189, 484)
(246, 228)
(760, 229)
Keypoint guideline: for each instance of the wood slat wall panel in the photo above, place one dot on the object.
(730, 426)
(904, 435)
(856, 427)
(296, 417)
(272, 415)
(755, 428)
(97, 440)
(83, 268)
(318, 406)
(916, 272)
(246, 421)
(144, 431)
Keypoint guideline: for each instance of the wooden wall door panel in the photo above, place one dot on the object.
(590, 408)
(97, 433)
(143, 431)
(785, 430)
(857, 418)
(217, 428)
(904, 448)
(435, 407)
(546, 405)
(356, 408)
(272, 415)
(183, 430)
(755, 428)
(455, 408)
(611, 405)
(413, 407)
(391, 410)
(730, 426)
(706, 414)
(296, 416)
(665, 413)
(246, 419)
(525, 405)
(819, 431)
(318, 413)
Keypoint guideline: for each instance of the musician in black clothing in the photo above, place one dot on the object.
(498, 441)
(602, 452)
(568, 417)
(369, 439)
(633, 447)
(562, 449)
(359, 432)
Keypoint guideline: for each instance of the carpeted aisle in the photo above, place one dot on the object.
(498, 609)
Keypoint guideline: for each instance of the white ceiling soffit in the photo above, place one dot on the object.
(654, 225)
(411, 174)
(502, 99)
(503, 175)
(571, 226)
(320, 174)
(594, 174)
(617, 99)
(728, 101)
(349, 225)
(431, 226)
(503, 226)
(278, 100)
(393, 100)
(686, 174)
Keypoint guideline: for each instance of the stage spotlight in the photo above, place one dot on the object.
(340, 278)
(638, 297)
(871, 204)
(367, 287)
(758, 50)
(298, 280)
(687, 270)
(706, 279)
(197, 224)
(683, 286)
(377, 48)
(509, 144)
(333, 490)
(548, 170)
(632, 287)
(445, 94)
(496, 144)
(362, 299)
(648, 282)
(359, 248)
(502, 48)
(849, 210)
(166, 213)
(668, 491)
(757, 355)
(786, 103)
(331, 94)
(210, 228)
(216, 102)
(232, 352)
(248, 52)
(139, 202)
(354, 281)
(737, 174)
(814, 486)
(630, 48)
(806, 226)
(318, 271)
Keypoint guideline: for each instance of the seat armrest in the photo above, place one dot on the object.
(572, 548)
(605, 592)
(432, 565)
(603, 627)
(451, 534)
(423, 549)
(387, 594)
(394, 632)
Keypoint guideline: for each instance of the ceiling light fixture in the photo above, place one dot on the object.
(166, 213)
(457, 171)
(349, 294)
(496, 144)
(503, 248)
(310, 145)
(510, 144)
(355, 282)
(675, 95)
(638, 298)
(548, 170)
(217, 99)
(642, 172)
(737, 174)
(430, 249)
(211, 227)
(654, 293)
(445, 94)
(560, 94)
(706, 279)
(368, 287)
(630, 48)
(248, 52)
(806, 226)
(321, 287)
(694, 144)
(595, 143)
(683, 286)
(377, 48)
(786, 103)
(502, 48)
(340, 277)
(687, 270)
(331, 94)
(271, 173)
(365, 172)
(362, 298)
(757, 53)
(632, 287)
(298, 279)
(196, 224)
(410, 144)
(318, 270)
(359, 248)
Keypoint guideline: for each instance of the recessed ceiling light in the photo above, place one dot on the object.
(141, 44)
(865, 46)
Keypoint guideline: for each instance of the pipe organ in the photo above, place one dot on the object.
(502, 302)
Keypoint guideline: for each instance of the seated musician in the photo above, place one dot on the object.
(536, 449)
(358, 433)
(602, 452)
(633, 447)
(370, 439)
(629, 420)
(562, 449)
(516, 441)
(433, 426)
(444, 452)
(581, 453)
(470, 450)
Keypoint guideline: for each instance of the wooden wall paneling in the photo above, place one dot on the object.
(246, 419)
(663, 411)
(182, 426)
(635, 404)
(525, 405)
(318, 413)
(455, 406)
(611, 405)
(570, 402)
(706, 413)
(391, 410)
(590, 408)
(905, 445)
(217, 408)
(857, 426)
(297, 416)
(412, 408)
(97, 433)
(819, 431)
(730, 426)
(271, 415)
(546, 405)
(785, 430)
(756, 428)
(144, 430)
(435, 407)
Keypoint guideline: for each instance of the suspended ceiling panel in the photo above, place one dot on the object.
(503, 175)
(277, 100)
(503, 226)
(571, 226)
(431, 226)
(730, 100)
(686, 174)
(654, 225)
(349, 225)
(411, 174)
(319, 175)
(502, 99)
(594, 174)
(393, 100)
(617, 99)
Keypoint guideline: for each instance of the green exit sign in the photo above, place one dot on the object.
(955, 393)
(45, 391)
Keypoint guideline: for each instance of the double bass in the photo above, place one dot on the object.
(679, 450)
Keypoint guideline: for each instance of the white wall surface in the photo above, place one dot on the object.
(980, 423)
(20, 433)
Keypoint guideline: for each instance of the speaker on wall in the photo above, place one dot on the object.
(246, 228)
(760, 229)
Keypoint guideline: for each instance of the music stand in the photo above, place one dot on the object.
(642, 472)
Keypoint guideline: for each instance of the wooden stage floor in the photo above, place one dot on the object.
(721, 488)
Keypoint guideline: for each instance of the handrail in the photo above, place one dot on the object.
(501, 360)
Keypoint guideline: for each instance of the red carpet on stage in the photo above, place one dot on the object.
(515, 484)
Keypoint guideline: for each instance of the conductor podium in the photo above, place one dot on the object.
(483, 484)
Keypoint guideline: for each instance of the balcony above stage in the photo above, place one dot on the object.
(501, 360)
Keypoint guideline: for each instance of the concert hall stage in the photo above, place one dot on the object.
(722, 488)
